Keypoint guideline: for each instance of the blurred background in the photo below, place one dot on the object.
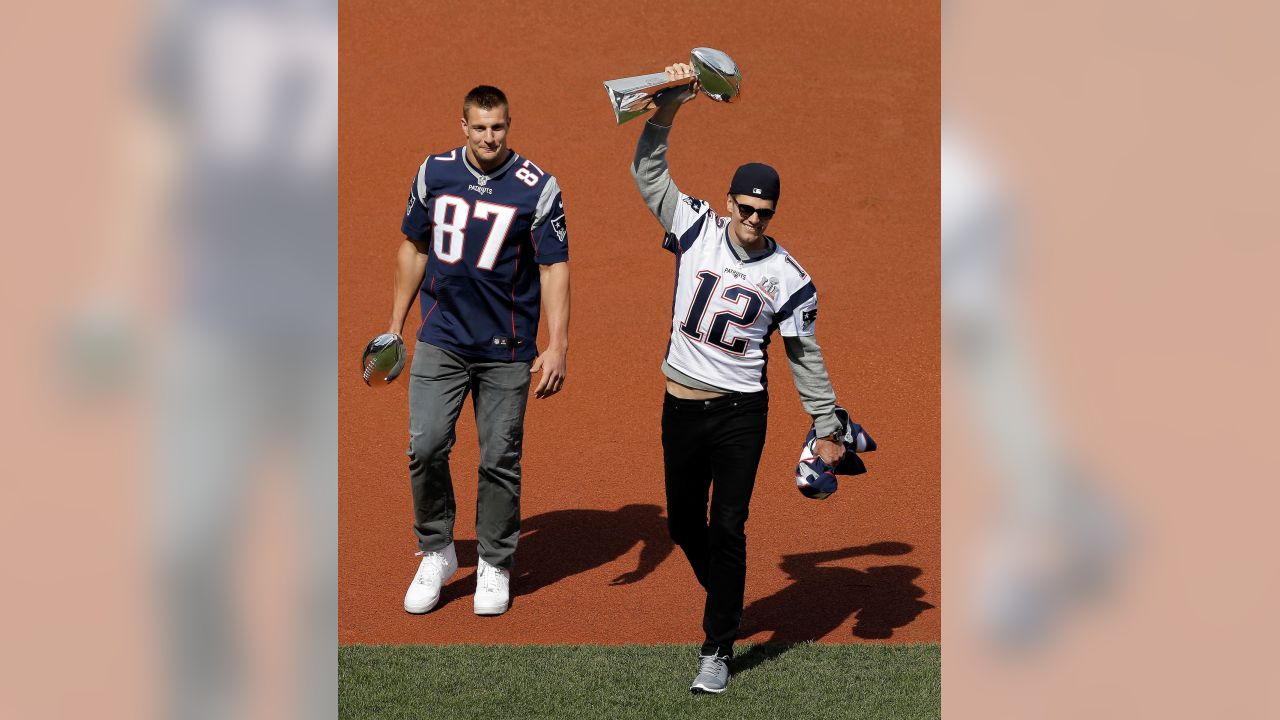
(1110, 346)
(1110, 340)
(172, 473)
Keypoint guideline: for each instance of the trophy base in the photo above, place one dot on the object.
(633, 96)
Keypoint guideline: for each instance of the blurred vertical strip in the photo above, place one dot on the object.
(74, 611)
(1110, 241)
(245, 438)
(170, 186)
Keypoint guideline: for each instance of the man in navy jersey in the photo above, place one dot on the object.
(485, 244)
(735, 285)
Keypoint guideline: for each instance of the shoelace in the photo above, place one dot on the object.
(431, 570)
(710, 664)
(488, 578)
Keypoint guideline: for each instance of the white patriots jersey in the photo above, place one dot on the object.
(726, 309)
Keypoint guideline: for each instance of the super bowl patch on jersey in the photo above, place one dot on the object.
(769, 286)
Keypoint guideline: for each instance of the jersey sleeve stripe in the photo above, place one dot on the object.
(422, 181)
(546, 200)
(669, 243)
(797, 299)
(688, 237)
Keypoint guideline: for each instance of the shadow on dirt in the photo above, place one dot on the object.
(822, 596)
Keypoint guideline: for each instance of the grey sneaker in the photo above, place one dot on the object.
(713, 674)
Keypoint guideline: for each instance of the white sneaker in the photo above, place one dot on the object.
(433, 572)
(493, 589)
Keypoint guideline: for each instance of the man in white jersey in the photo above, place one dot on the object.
(735, 285)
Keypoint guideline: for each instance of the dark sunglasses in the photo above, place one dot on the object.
(746, 211)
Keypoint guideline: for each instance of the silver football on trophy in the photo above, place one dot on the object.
(717, 75)
(383, 359)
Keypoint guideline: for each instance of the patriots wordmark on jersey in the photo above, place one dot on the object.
(726, 309)
(487, 233)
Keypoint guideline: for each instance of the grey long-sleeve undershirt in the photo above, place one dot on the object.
(653, 179)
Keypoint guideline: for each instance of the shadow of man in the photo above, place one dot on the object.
(560, 544)
(821, 598)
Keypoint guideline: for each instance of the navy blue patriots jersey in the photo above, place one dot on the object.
(487, 233)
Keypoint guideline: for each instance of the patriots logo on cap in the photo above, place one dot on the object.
(815, 480)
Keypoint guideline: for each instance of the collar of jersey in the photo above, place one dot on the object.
(501, 169)
(773, 248)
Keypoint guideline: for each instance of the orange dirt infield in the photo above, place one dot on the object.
(843, 98)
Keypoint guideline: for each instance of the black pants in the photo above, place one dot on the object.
(711, 450)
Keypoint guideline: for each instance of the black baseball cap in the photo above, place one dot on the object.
(757, 180)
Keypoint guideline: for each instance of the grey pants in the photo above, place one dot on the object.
(438, 383)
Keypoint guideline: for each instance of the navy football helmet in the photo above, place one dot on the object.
(815, 478)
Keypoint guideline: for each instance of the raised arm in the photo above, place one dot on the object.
(649, 168)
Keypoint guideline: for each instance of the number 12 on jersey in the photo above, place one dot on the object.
(450, 220)
(708, 281)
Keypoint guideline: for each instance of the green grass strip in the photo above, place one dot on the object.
(581, 682)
